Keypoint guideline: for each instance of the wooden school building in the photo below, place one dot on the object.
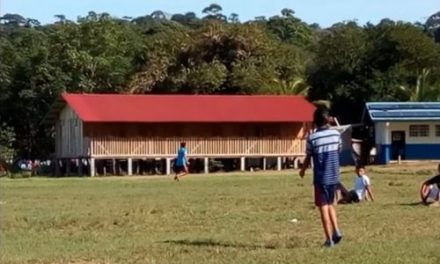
(95, 127)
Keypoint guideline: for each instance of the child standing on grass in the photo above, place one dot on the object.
(323, 146)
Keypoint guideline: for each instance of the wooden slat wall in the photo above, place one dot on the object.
(107, 146)
(70, 141)
(75, 138)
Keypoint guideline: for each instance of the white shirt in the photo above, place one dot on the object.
(433, 192)
(360, 186)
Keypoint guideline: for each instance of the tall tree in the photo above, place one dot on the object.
(433, 26)
(158, 14)
(290, 29)
(213, 12)
(13, 20)
(337, 69)
(355, 64)
(233, 18)
(287, 12)
(423, 90)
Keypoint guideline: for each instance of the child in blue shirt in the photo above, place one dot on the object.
(181, 164)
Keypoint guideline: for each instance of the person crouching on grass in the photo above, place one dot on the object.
(324, 146)
(181, 164)
(430, 190)
(362, 188)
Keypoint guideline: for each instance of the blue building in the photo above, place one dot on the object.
(408, 130)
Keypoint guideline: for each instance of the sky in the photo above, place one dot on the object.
(323, 12)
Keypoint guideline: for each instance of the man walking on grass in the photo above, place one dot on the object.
(323, 146)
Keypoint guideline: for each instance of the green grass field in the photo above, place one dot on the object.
(213, 219)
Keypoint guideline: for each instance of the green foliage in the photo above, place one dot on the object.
(423, 90)
(96, 55)
(7, 138)
(432, 25)
(252, 76)
(208, 59)
(377, 62)
(290, 29)
(206, 77)
(334, 75)
(213, 12)
(346, 64)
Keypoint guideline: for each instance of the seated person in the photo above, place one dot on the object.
(430, 190)
(362, 188)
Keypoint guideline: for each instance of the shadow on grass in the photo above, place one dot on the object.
(213, 243)
(413, 204)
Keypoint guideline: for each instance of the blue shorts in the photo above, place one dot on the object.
(325, 194)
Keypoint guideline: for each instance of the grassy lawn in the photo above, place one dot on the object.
(213, 219)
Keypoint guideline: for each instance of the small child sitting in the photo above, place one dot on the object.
(430, 190)
(362, 188)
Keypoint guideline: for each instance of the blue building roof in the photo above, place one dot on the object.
(401, 111)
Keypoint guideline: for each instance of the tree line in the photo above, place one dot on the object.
(346, 64)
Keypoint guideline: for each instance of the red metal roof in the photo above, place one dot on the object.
(189, 108)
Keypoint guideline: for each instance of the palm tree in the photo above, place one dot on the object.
(295, 87)
(422, 91)
(298, 87)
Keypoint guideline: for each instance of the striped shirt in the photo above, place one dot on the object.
(324, 146)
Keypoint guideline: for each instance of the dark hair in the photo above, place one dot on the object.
(321, 116)
(360, 166)
(182, 144)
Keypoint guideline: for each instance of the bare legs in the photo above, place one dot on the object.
(330, 223)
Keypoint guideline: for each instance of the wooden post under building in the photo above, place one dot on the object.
(168, 166)
(206, 165)
(130, 166)
(68, 164)
(80, 167)
(279, 163)
(92, 167)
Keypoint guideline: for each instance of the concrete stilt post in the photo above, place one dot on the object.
(242, 164)
(92, 167)
(206, 165)
(279, 163)
(130, 166)
(168, 166)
